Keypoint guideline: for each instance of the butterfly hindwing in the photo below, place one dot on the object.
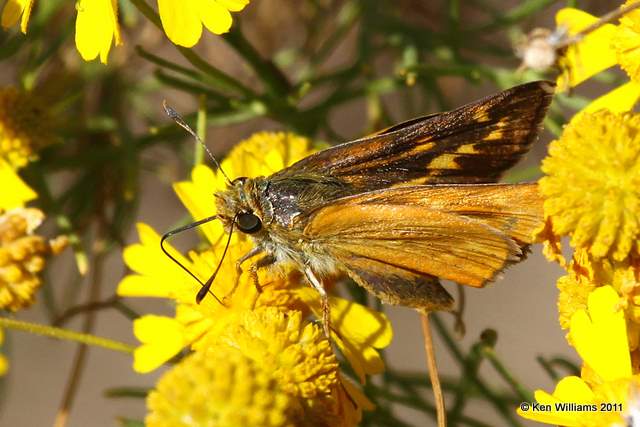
(398, 241)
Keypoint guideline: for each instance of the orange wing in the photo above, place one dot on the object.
(398, 240)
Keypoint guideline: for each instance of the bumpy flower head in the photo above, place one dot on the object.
(298, 353)
(269, 369)
(22, 257)
(220, 388)
(25, 126)
(592, 187)
(574, 289)
(626, 42)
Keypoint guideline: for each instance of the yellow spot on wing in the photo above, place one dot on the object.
(467, 149)
(481, 116)
(444, 161)
(496, 134)
(422, 147)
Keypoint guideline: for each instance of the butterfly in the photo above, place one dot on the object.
(399, 210)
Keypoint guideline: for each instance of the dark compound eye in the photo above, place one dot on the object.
(248, 223)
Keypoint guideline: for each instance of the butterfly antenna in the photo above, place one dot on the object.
(171, 233)
(205, 288)
(173, 114)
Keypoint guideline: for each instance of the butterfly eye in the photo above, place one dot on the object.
(248, 223)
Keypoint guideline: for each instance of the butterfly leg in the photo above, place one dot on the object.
(265, 261)
(253, 252)
(317, 284)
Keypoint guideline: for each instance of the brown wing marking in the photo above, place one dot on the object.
(472, 144)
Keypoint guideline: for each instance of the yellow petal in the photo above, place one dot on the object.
(180, 21)
(158, 275)
(214, 16)
(573, 389)
(234, 5)
(591, 55)
(13, 10)
(161, 338)
(569, 390)
(600, 336)
(96, 28)
(360, 330)
(16, 193)
(619, 100)
(135, 285)
(197, 196)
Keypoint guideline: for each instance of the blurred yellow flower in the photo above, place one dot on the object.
(358, 330)
(599, 335)
(13, 11)
(97, 28)
(590, 55)
(96, 25)
(22, 257)
(182, 20)
(598, 51)
(25, 126)
(16, 192)
(4, 363)
(592, 184)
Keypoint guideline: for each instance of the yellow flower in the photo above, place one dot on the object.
(627, 42)
(158, 276)
(269, 368)
(592, 184)
(12, 12)
(589, 56)
(25, 126)
(4, 363)
(220, 387)
(599, 335)
(296, 352)
(574, 290)
(96, 25)
(96, 28)
(16, 193)
(359, 330)
(22, 257)
(182, 20)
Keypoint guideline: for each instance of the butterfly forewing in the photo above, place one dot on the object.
(475, 143)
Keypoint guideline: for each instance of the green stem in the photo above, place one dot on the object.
(522, 393)
(65, 334)
(275, 81)
(507, 412)
(201, 130)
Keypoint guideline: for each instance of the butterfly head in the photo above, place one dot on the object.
(240, 205)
